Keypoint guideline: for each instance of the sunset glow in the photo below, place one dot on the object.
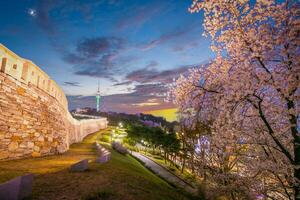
(168, 114)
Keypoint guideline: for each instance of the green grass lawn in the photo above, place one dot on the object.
(121, 178)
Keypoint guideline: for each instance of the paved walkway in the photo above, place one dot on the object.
(164, 173)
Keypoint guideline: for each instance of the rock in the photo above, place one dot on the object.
(30, 144)
(35, 154)
(13, 146)
(41, 139)
(50, 139)
(23, 145)
(119, 148)
(36, 148)
(16, 138)
(61, 148)
(103, 158)
(80, 166)
(20, 91)
(17, 189)
(4, 155)
(26, 186)
(36, 134)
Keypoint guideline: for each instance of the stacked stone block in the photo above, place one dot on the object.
(33, 122)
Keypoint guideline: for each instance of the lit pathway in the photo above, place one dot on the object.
(164, 173)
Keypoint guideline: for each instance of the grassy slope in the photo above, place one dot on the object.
(188, 177)
(121, 178)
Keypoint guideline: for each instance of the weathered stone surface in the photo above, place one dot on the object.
(13, 146)
(35, 121)
(103, 158)
(80, 166)
(10, 189)
(36, 148)
(26, 186)
(4, 155)
(41, 139)
(17, 189)
(104, 155)
(35, 154)
(30, 144)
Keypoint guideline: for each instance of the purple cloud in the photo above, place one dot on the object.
(140, 16)
(153, 89)
(93, 47)
(96, 57)
(123, 83)
(152, 64)
(66, 8)
(162, 39)
(151, 75)
(169, 36)
(43, 18)
(185, 46)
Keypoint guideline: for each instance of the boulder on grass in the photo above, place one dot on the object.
(80, 166)
(103, 158)
(119, 148)
(17, 189)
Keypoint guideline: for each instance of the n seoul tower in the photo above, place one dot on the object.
(98, 97)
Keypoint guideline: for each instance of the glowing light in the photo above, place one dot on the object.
(31, 12)
(145, 104)
(169, 114)
(120, 125)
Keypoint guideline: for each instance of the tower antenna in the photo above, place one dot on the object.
(98, 87)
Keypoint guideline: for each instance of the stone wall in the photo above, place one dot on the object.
(34, 118)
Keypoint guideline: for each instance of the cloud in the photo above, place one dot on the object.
(96, 57)
(163, 38)
(140, 16)
(73, 84)
(146, 75)
(145, 104)
(152, 89)
(50, 23)
(185, 46)
(122, 83)
(43, 18)
(178, 34)
(152, 64)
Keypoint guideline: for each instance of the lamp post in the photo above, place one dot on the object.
(111, 135)
(120, 125)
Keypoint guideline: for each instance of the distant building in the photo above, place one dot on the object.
(81, 110)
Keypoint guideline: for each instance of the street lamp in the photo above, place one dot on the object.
(120, 125)
(111, 134)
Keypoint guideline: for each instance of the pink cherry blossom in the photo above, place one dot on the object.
(249, 92)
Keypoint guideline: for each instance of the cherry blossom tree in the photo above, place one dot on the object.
(250, 92)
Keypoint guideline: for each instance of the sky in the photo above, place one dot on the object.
(134, 48)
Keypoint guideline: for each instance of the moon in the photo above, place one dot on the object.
(31, 12)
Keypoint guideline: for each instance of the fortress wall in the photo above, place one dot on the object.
(34, 117)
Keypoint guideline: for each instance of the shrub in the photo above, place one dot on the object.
(105, 139)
